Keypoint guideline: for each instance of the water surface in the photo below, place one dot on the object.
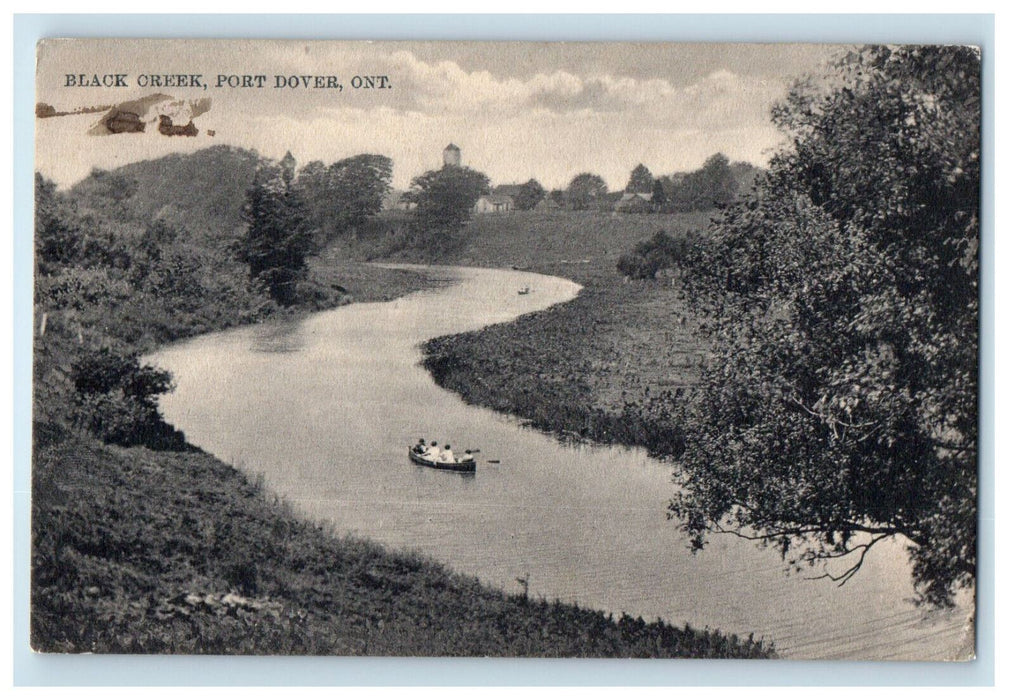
(325, 408)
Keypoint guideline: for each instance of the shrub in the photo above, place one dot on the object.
(116, 399)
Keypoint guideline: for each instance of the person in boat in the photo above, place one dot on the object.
(468, 457)
(431, 452)
(420, 447)
(446, 455)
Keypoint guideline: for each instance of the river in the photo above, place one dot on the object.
(325, 408)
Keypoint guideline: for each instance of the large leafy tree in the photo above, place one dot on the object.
(347, 193)
(840, 406)
(641, 180)
(585, 190)
(530, 194)
(444, 198)
(712, 185)
(278, 237)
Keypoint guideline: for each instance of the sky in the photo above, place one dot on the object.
(516, 110)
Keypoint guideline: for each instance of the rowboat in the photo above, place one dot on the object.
(524, 290)
(461, 464)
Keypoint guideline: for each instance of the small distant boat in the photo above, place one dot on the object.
(524, 290)
(461, 464)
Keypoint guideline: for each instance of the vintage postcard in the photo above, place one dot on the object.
(506, 349)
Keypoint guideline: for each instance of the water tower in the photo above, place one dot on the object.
(452, 156)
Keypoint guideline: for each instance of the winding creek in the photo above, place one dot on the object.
(324, 408)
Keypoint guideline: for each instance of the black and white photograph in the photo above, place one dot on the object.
(506, 349)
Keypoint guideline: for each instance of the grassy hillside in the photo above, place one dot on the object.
(202, 192)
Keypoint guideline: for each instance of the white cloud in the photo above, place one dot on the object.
(549, 123)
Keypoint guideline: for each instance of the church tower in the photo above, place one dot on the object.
(452, 156)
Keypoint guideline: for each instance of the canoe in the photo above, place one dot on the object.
(462, 464)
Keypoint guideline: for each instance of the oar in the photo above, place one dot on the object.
(493, 461)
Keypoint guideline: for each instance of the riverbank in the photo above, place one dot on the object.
(138, 550)
(610, 366)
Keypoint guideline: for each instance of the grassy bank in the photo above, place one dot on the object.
(610, 366)
(141, 550)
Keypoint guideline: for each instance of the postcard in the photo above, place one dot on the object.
(506, 349)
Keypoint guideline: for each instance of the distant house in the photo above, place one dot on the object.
(493, 204)
(546, 204)
(634, 203)
(511, 191)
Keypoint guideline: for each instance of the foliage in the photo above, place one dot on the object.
(64, 237)
(584, 191)
(201, 192)
(716, 184)
(840, 408)
(278, 237)
(651, 256)
(342, 196)
(444, 200)
(116, 399)
(712, 185)
(641, 180)
(530, 194)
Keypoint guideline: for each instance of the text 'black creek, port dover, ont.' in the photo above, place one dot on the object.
(223, 80)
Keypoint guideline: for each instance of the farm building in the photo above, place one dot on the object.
(493, 204)
(634, 202)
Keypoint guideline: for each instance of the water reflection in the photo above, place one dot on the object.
(278, 336)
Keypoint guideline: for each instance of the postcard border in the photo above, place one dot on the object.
(56, 670)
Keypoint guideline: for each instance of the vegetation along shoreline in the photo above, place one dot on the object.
(142, 543)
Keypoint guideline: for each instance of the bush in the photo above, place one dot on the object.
(651, 256)
(116, 399)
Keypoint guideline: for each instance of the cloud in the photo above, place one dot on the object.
(539, 120)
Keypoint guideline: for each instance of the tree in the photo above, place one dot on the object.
(641, 180)
(116, 399)
(840, 406)
(659, 196)
(530, 195)
(650, 257)
(344, 195)
(585, 190)
(278, 237)
(57, 237)
(712, 185)
(444, 198)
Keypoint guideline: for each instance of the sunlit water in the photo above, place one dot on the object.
(325, 409)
